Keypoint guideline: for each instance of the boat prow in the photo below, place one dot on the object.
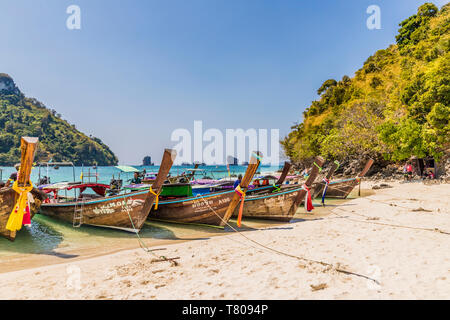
(9, 197)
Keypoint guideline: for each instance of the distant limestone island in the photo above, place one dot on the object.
(58, 140)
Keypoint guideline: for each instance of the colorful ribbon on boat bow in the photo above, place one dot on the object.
(308, 201)
(241, 193)
(157, 196)
(337, 163)
(318, 167)
(257, 156)
(324, 192)
(20, 215)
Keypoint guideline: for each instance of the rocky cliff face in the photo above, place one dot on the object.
(7, 85)
(58, 140)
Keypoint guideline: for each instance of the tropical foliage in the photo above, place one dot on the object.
(396, 106)
(58, 140)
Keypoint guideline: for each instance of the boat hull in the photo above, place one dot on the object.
(341, 189)
(209, 209)
(124, 212)
(8, 198)
(279, 206)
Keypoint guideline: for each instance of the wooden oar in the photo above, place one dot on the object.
(249, 173)
(166, 163)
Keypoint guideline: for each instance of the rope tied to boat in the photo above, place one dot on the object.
(318, 167)
(330, 265)
(20, 215)
(337, 163)
(324, 192)
(275, 188)
(308, 199)
(241, 193)
(157, 196)
(141, 242)
(257, 156)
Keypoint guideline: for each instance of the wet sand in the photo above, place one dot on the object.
(89, 242)
(387, 244)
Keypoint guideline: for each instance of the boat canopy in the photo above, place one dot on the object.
(127, 169)
(268, 177)
(98, 188)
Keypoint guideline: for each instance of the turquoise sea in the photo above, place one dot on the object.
(106, 173)
(51, 241)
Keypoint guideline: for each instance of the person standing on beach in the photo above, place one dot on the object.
(409, 171)
(238, 181)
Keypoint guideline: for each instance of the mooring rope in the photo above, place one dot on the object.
(388, 224)
(338, 269)
(141, 242)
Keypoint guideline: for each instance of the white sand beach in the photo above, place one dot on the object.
(380, 237)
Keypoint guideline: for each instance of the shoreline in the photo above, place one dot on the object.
(59, 255)
(408, 262)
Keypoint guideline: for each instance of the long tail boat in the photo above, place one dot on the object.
(342, 188)
(319, 187)
(279, 202)
(10, 199)
(126, 211)
(213, 209)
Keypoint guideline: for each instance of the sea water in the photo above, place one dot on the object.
(49, 241)
(104, 174)
(49, 236)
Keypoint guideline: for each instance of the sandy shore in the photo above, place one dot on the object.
(362, 236)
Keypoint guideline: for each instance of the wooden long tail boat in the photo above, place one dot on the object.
(9, 197)
(342, 188)
(210, 209)
(126, 212)
(319, 186)
(282, 203)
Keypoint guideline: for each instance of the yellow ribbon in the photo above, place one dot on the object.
(16, 217)
(157, 196)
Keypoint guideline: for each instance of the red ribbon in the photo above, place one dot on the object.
(27, 216)
(241, 193)
(309, 206)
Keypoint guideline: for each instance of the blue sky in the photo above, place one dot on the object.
(137, 70)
